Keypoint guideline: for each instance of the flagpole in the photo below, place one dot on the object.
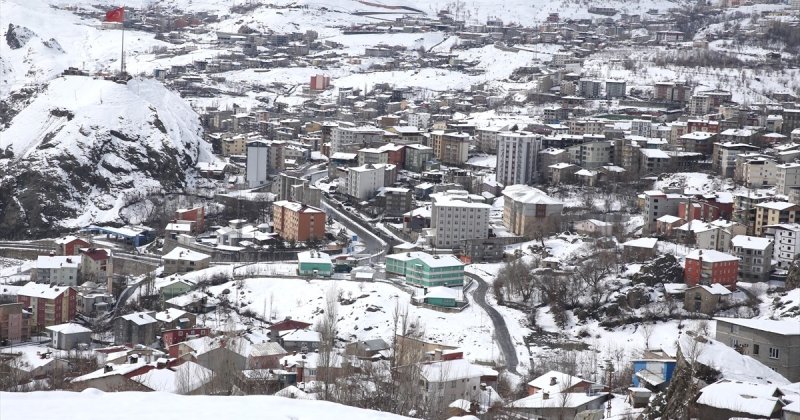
(122, 60)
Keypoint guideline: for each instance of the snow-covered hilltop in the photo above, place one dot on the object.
(85, 148)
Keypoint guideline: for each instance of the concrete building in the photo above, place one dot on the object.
(97, 265)
(787, 177)
(786, 242)
(657, 204)
(258, 158)
(517, 157)
(445, 381)
(135, 328)
(183, 260)
(457, 216)
(68, 336)
(615, 89)
(363, 182)
(298, 222)
(14, 324)
(421, 120)
(773, 213)
(450, 148)
(705, 299)
(396, 201)
(314, 263)
(724, 157)
(755, 257)
(529, 212)
(349, 139)
(57, 270)
(426, 270)
(592, 154)
(417, 156)
(776, 344)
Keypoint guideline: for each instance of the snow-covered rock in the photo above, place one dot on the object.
(85, 148)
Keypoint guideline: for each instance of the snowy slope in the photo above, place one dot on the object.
(85, 148)
(96, 405)
(60, 39)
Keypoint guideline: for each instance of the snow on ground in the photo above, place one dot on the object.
(484, 161)
(370, 316)
(92, 404)
(355, 44)
(79, 42)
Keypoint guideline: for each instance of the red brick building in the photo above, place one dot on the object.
(297, 221)
(50, 305)
(171, 338)
(196, 215)
(709, 266)
(70, 245)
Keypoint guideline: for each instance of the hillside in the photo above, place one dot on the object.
(85, 148)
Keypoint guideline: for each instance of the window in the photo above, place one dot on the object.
(755, 349)
(453, 384)
(774, 353)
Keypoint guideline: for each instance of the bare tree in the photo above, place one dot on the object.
(327, 347)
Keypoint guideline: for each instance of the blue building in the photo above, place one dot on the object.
(654, 371)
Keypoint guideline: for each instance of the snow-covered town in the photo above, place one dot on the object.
(386, 209)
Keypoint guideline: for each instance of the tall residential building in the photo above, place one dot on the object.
(416, 156)
(297, 221)
(788, 176)
(755, 257)
(786, 242)
(457, 216)
(657, 204)
(517, 156)
(528, 211)
(362, 182)
(773, 213)
(14, 323)
(350, 139)
(258, 158)
(724, 157)
(49, 304)
(451, 148)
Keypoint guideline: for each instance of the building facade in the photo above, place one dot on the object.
(456, 216)
(776, 344)
(298, 222)
(425, 270)
(49, 304)
(517, 156)
(529, 212)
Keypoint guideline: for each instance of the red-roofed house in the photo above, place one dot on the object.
(196, 215)
(286, 325)
(70, 245)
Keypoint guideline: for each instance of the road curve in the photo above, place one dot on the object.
(500, 329)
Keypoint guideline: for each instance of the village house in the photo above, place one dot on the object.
(554, 382)
(69, 336)
(300, 340)
(653, 371)
(135, 328)
(445, 381)
(738, 399)
(183, 260)
(705, 299)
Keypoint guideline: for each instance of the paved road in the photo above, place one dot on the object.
(500, 329)
(125, 295)
(375, 246)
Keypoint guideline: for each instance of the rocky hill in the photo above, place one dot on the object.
(86, 148)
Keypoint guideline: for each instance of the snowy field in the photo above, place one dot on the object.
(96, 405)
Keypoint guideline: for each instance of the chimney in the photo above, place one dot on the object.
(108, 368)
(133, 359)
(553, 380)
(545, 395)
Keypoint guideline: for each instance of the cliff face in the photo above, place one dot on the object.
(84, 149)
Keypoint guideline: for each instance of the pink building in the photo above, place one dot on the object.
(320, 82)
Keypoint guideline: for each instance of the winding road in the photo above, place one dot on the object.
(500, 329)
(375, 246)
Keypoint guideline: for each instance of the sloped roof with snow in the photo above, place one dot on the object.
(751, 242)
(742, 397)
(180, 253)
(38, 290)
(451, 370)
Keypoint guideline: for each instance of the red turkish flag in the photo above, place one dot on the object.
(116, 15)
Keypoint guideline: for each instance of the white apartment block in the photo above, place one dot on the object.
(342, 137)
(58, 269)
(517, 154)
(788, 176)
(759, 172)
(362, 182)
(258, 157)
(641, 128)
(419, 120)
(592, 154)
(456, 216)
(786, 242)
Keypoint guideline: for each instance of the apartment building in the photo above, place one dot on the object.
(349, 139)
(49, 304)
(451, 148)
(709, 267)
(773, 213)
(787, 177)
(528, 211)
(759, 172)
(61, 270)
(183, 260)
(363, 182)
(786, 242)
(14, 323)
(416, 156)
(592, 154)
(657, 204)
(755, 257)
(724, 157)
(457, 216)
(775, 343)
(297, 221)
(517, 156)
(258, 159)
(425, 270)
